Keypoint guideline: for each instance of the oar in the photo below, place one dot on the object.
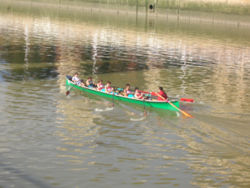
(145, 112)
(181, 99)
(113, 104)
(186, 100)
(183, 112)
(68, 91)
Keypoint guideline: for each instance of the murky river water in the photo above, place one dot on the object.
(50, 140)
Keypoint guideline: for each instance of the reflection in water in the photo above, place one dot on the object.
(76, 136)
(80, 144)
(194, 146)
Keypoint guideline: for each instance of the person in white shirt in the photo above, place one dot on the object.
(76, 79)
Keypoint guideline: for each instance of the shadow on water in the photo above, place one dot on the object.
(12, 171)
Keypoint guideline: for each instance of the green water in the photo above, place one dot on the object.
(48, 139)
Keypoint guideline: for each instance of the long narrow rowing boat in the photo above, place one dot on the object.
(147, 103)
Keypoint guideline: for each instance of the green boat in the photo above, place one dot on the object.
(146, 103)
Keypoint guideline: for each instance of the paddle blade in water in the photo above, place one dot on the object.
(187, 100)
(182, 111)
(67, 93)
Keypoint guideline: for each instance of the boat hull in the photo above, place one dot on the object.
(146, 103)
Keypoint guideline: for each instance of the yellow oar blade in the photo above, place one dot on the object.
(183, 112)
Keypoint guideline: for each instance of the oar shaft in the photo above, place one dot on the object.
(183, 112)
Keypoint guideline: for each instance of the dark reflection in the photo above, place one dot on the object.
(112, 59)
(31, 73)
(118, 66)
(12, 53)
(37, 64)
(37, 53)
(104, 58)
(42, 53)
(86, 52)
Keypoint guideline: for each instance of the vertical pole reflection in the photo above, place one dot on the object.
(146, 17)
(26, 47)
(95, 42)
(137, 12)
(178, 16)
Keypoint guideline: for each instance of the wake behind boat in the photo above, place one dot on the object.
(167, 105)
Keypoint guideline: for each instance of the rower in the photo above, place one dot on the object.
(75, 79)
(90, 83)
(82, 84)
(138, 94)
(127, 90)
(100, 85)
(108, 88)
(161, 95)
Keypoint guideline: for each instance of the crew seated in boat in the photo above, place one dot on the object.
(76, 79)
(108, 88)
(162, 96)
(127, 90)
(82, 84)
(100, 85)
(90, 83)
(138, 94)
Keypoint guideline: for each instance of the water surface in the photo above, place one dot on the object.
(50, 140)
